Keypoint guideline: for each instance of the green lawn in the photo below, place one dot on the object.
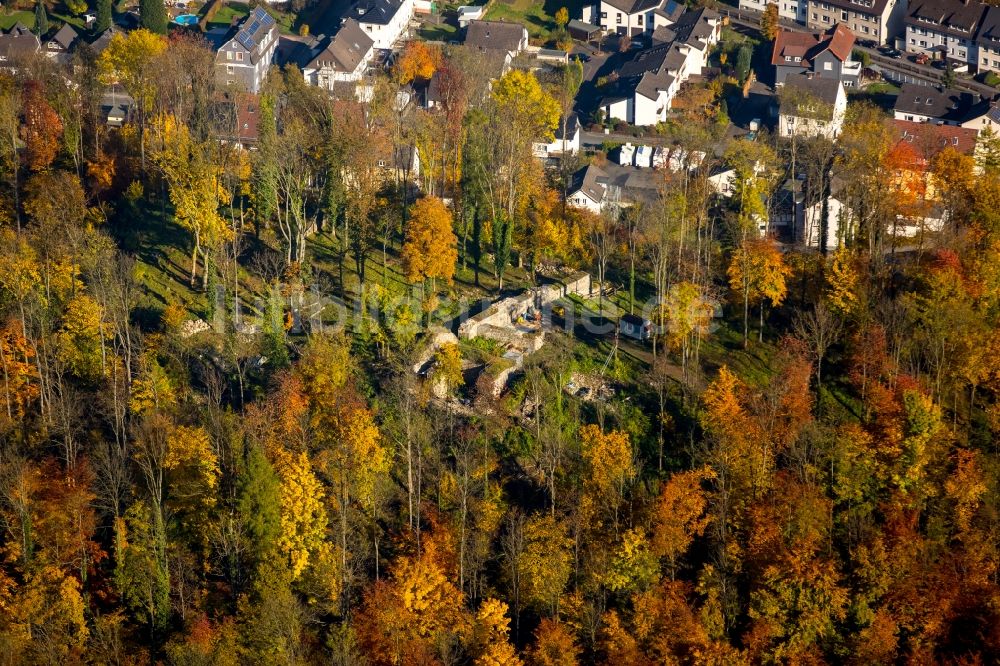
(442, 32)
(7, 21)
(529, 12)
(27, 18)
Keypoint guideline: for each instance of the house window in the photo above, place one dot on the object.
(788, 58)
(239, 56)
(230, 82)
(843, 16)
(229, 55)
(604, 15)
(619, 17)
(826, 19)
(827, 66)
(229, 69)
(639, 19)
(864, 29)
(798, 59)
(814, 16)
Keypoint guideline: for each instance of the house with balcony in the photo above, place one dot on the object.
(648, 83)
(633, 17)
(811, 106)
(824, 54)
(945, 29)
(877, 20)
(244, 53)
(343, 58)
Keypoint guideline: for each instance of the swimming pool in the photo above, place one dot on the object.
(187, 19)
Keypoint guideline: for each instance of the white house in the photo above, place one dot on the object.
(246, 50)
(342, 58)
(812, 106)
(385, 21)
(633, 17)
(558, 147)
(647, 84)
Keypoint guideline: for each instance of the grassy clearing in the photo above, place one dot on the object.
(529, 12)
(440, 32)
(7, 21)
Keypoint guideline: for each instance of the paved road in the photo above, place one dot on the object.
(904, 69)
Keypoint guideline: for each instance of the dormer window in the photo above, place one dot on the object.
(798, 59)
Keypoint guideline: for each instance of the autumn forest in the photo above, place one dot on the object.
(197, 466)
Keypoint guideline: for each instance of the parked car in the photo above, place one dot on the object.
(582, 57)
(921, 58)
(940, 64)
(867, 43)
(890, 52)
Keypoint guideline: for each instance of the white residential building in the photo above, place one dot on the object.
(812, 106)
(647, 84)
(633, 17)
(385, 21)
(345, 57)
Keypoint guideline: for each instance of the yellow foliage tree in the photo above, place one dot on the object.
(609, 460)
(492, 631)
(303, 516)
(81, 337)
(757, 273)
(546, 562)
(196, 190)
(448, 367)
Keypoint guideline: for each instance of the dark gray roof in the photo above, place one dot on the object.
(572, 125)
(18, 42)
(942, 103)
(580, 26)
(494, 36)
(253, 30)
(103, 40)
(694, 25)
(810, 89)
(989, 28)
(378, 12)
(633, 6)
(342, 52)
(950, 16)
(671, 10)
(65, 38)
(585, 180)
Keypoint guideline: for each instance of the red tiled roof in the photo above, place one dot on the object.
(789, 43)
(839, 40)
(928, 139)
